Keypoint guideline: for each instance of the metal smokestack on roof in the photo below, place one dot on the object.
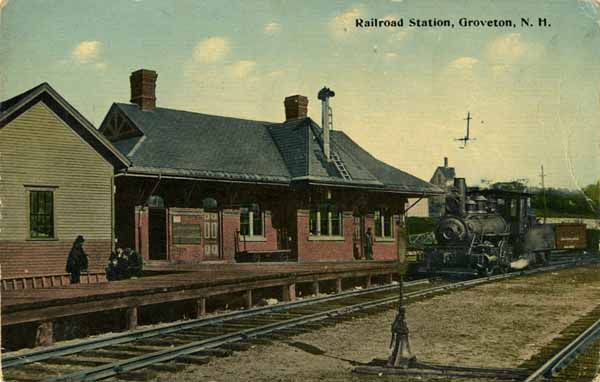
(326, 119)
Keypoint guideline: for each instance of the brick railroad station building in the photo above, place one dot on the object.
(212, 188)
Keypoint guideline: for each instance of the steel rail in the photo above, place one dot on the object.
(567, 354)
(138, 362)
(9, 361)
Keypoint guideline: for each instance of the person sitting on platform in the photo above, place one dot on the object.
(111, 268)
(136, 264)
(77, 260)
(122, 265)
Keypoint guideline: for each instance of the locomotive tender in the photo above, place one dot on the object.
(487, 231)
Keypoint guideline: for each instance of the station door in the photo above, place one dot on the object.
(194, 235)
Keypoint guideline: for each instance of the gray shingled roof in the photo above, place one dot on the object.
(193, 144)
(174, 142)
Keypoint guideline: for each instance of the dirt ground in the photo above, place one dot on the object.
(494, 325)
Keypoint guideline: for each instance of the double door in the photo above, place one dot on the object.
(211, 236)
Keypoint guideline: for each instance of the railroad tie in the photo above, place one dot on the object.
(170, 367)
(137, 375)
(216, 352)
(193, 359)
(237, 346)
(79, 361)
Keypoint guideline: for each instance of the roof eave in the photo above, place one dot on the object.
(171, 174)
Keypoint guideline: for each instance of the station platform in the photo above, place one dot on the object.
(186, 282)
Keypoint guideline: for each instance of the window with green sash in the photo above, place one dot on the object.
(41, 214)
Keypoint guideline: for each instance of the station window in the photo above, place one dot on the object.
(384, 221)
(326, 220)
(41, 214)
(251, 221)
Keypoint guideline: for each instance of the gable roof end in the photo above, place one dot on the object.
(13, 107)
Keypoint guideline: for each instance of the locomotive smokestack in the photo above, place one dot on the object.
(445, 162)
(461, 187)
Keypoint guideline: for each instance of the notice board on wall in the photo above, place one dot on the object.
(187, 233)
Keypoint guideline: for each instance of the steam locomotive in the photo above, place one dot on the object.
(487, 231)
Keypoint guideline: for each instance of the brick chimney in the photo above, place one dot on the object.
(143, 89)
(296, 107)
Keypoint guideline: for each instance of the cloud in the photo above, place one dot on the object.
(220, 76)
(272, 28)
(398, 38)
(86, 51)
(101, 65)
(344, 22)
(242, 69)
(466, 63)
(512, 48)
(211, 50)
(276, 73)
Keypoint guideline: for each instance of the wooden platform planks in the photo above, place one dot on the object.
(33, 305)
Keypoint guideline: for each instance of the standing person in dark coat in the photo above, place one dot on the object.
(369, 244)
(77, 260)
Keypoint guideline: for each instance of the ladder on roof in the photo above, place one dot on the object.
(339, 165)
(337, 161)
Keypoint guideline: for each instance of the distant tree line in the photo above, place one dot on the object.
(572, 203)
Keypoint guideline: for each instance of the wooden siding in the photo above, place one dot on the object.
(39, 150)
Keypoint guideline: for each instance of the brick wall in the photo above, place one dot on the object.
(231, 224)
(383, 249)
(28, 258)
(270, 237)
(324, 250)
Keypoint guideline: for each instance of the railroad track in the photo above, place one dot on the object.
(573, 356)
(172, 347)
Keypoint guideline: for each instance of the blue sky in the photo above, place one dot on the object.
(401, 93)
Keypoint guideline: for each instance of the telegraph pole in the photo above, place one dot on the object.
(543, 176)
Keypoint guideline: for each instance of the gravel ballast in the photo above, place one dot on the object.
(493, 325)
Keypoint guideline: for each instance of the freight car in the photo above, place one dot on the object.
(487, 231)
